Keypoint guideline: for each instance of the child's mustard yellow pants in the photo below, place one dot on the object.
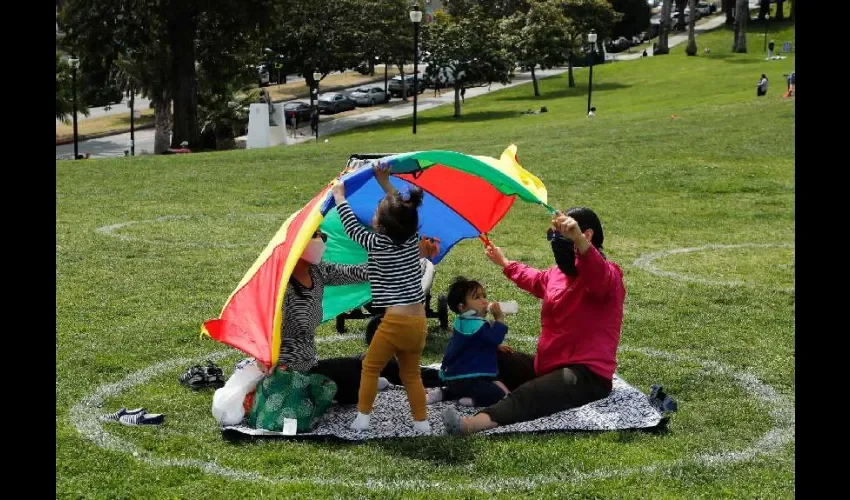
(404, 337)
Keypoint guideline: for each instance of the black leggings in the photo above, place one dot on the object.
(533, 397)
(345, 372)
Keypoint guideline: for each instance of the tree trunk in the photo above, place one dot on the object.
(162, 122)
(182, 27)
(791, 17)
(570, 76)
(458, 86)
(729, 9)
(534, 81)
(742, 15)
(663, 30)
(764, 9)
(680, 25)
(780, 14)
(691, 49)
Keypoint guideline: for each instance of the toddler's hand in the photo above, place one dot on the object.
(338, 191)
(496, 310)
(382, 170)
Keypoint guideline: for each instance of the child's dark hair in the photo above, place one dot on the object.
(459, 290)
(397, 215)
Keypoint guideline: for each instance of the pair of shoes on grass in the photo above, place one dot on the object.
(202, 376)
(138, 416)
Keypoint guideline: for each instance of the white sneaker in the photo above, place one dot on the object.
(361, 421)
(422, 426)
(383, 383)
(434, 396)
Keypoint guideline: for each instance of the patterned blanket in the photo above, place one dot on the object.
(625, 408)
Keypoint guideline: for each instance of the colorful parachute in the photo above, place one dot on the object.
(465, 197)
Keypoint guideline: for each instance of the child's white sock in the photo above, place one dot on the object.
(361, 421)
(466, 402)
(422, 426)
(434, 396)
(383, 383)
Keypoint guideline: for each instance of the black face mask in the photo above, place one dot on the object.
(565, 256)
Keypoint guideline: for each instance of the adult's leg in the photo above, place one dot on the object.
(345, 372)
(515, 368)
(564, 388)
(430, 376)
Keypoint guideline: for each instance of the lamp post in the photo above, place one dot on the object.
(132, 121)
(74, 62)
(591, 38)
(316, 78)
(415, 18)
(766, 24)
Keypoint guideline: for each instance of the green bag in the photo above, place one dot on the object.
(287, 394)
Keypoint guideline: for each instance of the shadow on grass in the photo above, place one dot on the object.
(473, 117)
(577, 91)
(736, 58)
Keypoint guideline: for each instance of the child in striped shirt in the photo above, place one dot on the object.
(396, 279)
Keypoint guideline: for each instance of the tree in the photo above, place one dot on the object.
(385, 34)
(791, 16)
(584, 16)
(742, 15)
(691, 49)
(764, 9)
(65, 93)
(537, 38)
(472, 47)
(636, 15)
(662, 46)
(494, 9)
(729, 9)
(102, 29)
(317, 35)
(780, 10)
(680, 8)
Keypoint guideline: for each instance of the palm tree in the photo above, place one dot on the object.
(148, 73)
(663, 30)
(742, 15)
(691, 49)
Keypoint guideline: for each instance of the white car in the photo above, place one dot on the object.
(369, 96)
(703, 8)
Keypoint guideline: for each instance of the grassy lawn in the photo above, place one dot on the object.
(147, 248)
(102, 124)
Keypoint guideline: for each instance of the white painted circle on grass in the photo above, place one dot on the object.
(84, 416)
(113, 230)
(647, 263)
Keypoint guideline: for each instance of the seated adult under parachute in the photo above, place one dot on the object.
(464, 197)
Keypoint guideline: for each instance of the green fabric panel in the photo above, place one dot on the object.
(342, 250)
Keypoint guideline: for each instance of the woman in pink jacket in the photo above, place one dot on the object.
(581, 317)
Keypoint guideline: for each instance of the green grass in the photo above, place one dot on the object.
(181, 231)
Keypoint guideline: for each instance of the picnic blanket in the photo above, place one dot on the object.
(626, 408)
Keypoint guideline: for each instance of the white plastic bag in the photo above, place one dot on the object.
(227, 401)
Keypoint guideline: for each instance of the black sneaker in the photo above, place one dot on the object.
(195, 377)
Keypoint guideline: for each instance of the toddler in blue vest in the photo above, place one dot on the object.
(469, 365)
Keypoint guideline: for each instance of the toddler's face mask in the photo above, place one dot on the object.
(314, 251)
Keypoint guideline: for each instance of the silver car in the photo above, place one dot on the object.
(369, 96)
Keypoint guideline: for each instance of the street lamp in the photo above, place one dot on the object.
(766, 24)
(316, 78)
(74, 62)
(591, 38)
(132, 122)
(415, 18)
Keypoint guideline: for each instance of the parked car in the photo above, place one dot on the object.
(369, 96)
(298, 109)
(704, 8)
(264, 75)
(334, 102)
(395, 85)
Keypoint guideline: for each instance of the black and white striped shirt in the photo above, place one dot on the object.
(395, 271)
(302, 312)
